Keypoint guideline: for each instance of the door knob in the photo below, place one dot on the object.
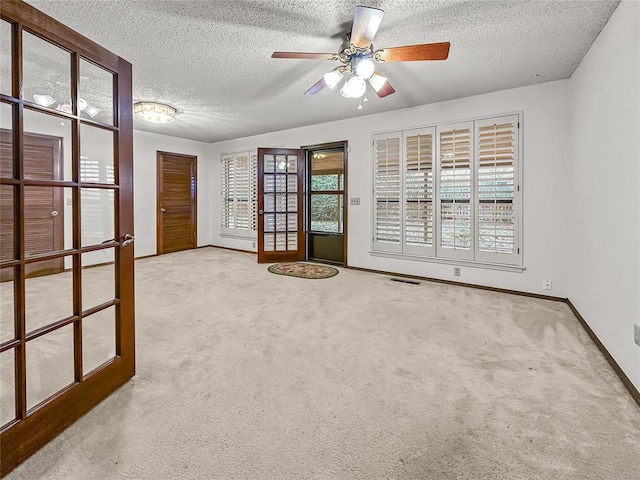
(163, 210)
(54, 213)
(260, 212)
(127, 240)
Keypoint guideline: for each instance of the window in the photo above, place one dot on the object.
(239, 193)
(449, 192)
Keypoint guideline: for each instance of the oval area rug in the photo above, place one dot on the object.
(303, 270)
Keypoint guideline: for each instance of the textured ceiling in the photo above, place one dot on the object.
(211, 59)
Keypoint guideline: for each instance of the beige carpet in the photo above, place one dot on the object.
(243, 374)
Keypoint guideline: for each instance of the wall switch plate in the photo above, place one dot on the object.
(70, 201)
(546, 284)
(636, 334)
(456, 271)
(354, 201)
(253, 244)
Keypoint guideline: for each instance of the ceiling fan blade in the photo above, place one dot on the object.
(412, 53)
(317, 87)
(365, 25)
(381, 85)
(304, 55)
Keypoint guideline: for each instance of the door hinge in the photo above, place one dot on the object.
(518, 124)
(518, 251)
(518, 187)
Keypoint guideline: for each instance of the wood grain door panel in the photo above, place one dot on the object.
(176, 216)
(44, 206)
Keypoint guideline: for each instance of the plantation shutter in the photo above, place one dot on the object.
(227, 192)
(239, 193)
(497, 162)
(455, 200)
(418, 191)
(387, 190)
(253, 194)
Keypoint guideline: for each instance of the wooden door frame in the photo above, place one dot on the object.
(159, 190)
(33, 428)
(269, 257)
(344, 144)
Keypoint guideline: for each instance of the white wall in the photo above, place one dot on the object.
(604, 265)
(145, 146)
(546, 128)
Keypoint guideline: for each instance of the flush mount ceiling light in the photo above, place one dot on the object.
(154, 112)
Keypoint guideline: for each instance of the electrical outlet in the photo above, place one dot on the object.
(70, 201)
(546, 284)
(636, 334)
(456, 271)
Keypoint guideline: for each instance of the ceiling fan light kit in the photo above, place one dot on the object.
(358, 56)
(154, 112)
(83, 105)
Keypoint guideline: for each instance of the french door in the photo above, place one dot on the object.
(280, 205)
(66, 337)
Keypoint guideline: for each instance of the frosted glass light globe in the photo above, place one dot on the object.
(365, 68)
(354, 88)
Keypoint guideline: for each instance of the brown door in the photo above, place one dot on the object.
(44, 208)
(66, 338)
(176, 214)
(280, 205)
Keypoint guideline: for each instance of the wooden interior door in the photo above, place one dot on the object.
(280, 205)
(63, 349)
(177, 204)
(44, 208)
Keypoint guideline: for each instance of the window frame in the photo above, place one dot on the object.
(251, 197)
(474, 256)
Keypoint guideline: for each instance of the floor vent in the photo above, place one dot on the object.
(405, 280)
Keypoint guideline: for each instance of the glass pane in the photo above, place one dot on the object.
(269, 203)
(292, 163)
(281, 163)
(269, 183)
(49, 295)
(96, 93)
(96, 155)
(292, 204)
(292, 222)
(325, 182)
(46, 73)
(7, 324)
(98, 207)
(49, 364)
(47, 225)
(281, 202)
(281, 241)
(5, 58)
(98, 277)
(326, 213)
(7, 250)
(269, 244)
(269, 222)
(47, 153)
(281, 183)
(292, 241)
(6, 141)
(7, 386)
(292, 181)
(98, 339)
(281, 222)
(269, 163)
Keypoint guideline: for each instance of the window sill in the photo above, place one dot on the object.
(450, 261)
(240, 236)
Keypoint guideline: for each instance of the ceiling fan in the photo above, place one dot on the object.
(357, 56)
